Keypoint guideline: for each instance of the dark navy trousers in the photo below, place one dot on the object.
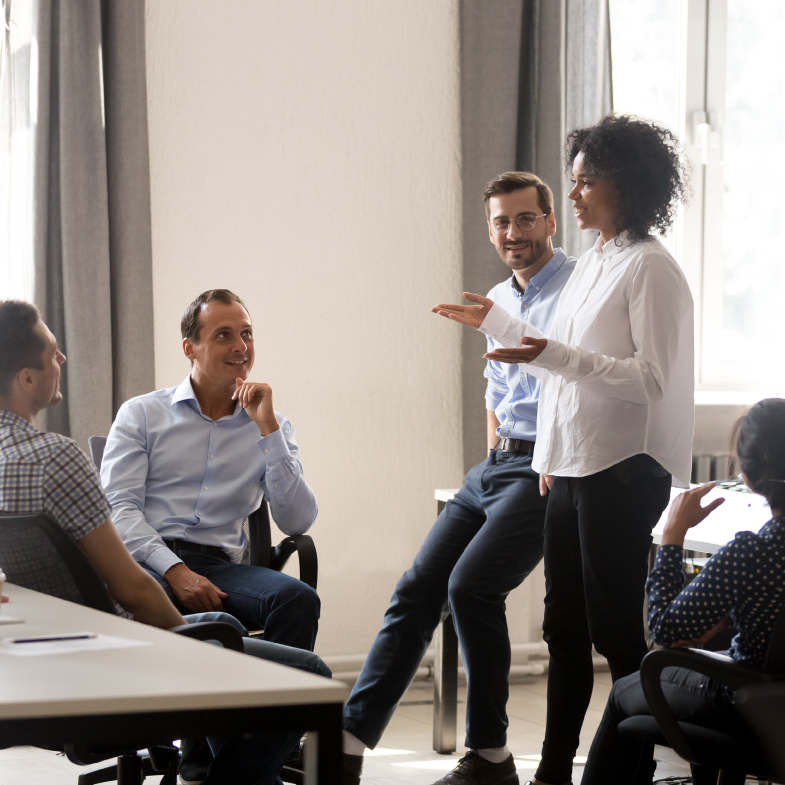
(482, 546)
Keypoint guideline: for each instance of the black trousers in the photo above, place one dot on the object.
(597, 540)
(620, 760)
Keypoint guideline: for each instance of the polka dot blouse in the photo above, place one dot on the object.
(745, 578)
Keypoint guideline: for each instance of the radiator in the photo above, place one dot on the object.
(710, 467)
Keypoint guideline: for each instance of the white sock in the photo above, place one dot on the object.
(492, 754)
(352, 745)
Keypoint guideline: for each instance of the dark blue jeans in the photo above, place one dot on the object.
(256, 760)
(692, 697)
(287, 609)
(482, 546)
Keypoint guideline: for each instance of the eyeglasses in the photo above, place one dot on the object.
(524, 221)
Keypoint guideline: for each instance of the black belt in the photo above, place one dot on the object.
(515, 445)
(181, 545)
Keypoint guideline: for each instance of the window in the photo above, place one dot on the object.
(709, 70)
(18, 109)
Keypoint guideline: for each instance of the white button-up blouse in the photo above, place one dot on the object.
(619, 363)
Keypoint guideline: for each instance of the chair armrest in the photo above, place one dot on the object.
(715, 666)
(306, 552)
(219, 631)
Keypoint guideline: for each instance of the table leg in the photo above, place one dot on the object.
(445, 688)
(328, 745)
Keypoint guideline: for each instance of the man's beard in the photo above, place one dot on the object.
(536, 250)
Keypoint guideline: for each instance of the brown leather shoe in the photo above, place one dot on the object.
(473, 769)
(352, 767)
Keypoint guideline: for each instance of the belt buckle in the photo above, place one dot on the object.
(506, 445)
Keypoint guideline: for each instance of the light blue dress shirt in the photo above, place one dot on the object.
(170, 471)
(512, 392)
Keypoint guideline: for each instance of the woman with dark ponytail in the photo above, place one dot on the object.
(743, 584)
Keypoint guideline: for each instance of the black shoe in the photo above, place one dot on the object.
(195, 759)
(473, 769)
(352, 768)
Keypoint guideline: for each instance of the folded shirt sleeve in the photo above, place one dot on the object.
(676, 613)
(292, 502)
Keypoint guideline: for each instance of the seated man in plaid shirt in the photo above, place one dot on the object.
(49, 473)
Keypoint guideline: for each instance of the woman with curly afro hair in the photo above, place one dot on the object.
(616, 410)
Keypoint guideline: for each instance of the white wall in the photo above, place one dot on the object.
(306, 155)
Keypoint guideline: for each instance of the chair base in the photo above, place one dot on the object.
(130, 769)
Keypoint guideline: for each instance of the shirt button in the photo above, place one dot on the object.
(276, 485)
(211, 455)
(206, 488)
(215, 424)
(537, 288)
(266, 450)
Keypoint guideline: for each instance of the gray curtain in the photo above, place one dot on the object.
(92, 245)
(531, 70)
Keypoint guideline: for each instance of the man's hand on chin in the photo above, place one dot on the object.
(257, 399)
(193, 591)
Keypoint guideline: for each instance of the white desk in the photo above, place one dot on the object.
(177, 687)
(740, 512)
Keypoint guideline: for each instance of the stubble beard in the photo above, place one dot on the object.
(536, 250)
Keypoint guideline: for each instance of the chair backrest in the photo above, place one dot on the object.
(38, 554)
(97, 445)
(775, 651)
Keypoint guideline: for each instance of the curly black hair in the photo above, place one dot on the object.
(645, 162)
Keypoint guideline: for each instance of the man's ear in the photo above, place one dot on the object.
(188, 349)
(25, 380)
(551, 221)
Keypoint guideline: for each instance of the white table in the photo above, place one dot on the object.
(740, 512)
(174, 688)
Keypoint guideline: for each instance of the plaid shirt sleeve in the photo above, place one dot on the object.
(72, 491)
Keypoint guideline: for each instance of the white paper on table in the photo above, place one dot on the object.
(68, 646)
(10, 620)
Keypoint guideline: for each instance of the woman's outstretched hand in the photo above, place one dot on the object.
(531, 349)
(470, 315)
(687, 511)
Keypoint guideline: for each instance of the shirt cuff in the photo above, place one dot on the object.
(666, 554)
(552, 357)
(496, 323)
(274, 446)
(162, 559)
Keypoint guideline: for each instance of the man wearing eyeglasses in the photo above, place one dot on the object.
(489, 537)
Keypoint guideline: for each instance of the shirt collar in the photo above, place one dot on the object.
(11, 420)
(185, 392)
(618, 243)
(543, 276)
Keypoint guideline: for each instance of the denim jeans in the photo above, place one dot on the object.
(256, 760)
(482, 546)
(694, 698)
(260, 598)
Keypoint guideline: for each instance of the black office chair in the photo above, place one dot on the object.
(260, 551)
(38, 554)
(716, 757)
(763, 707)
